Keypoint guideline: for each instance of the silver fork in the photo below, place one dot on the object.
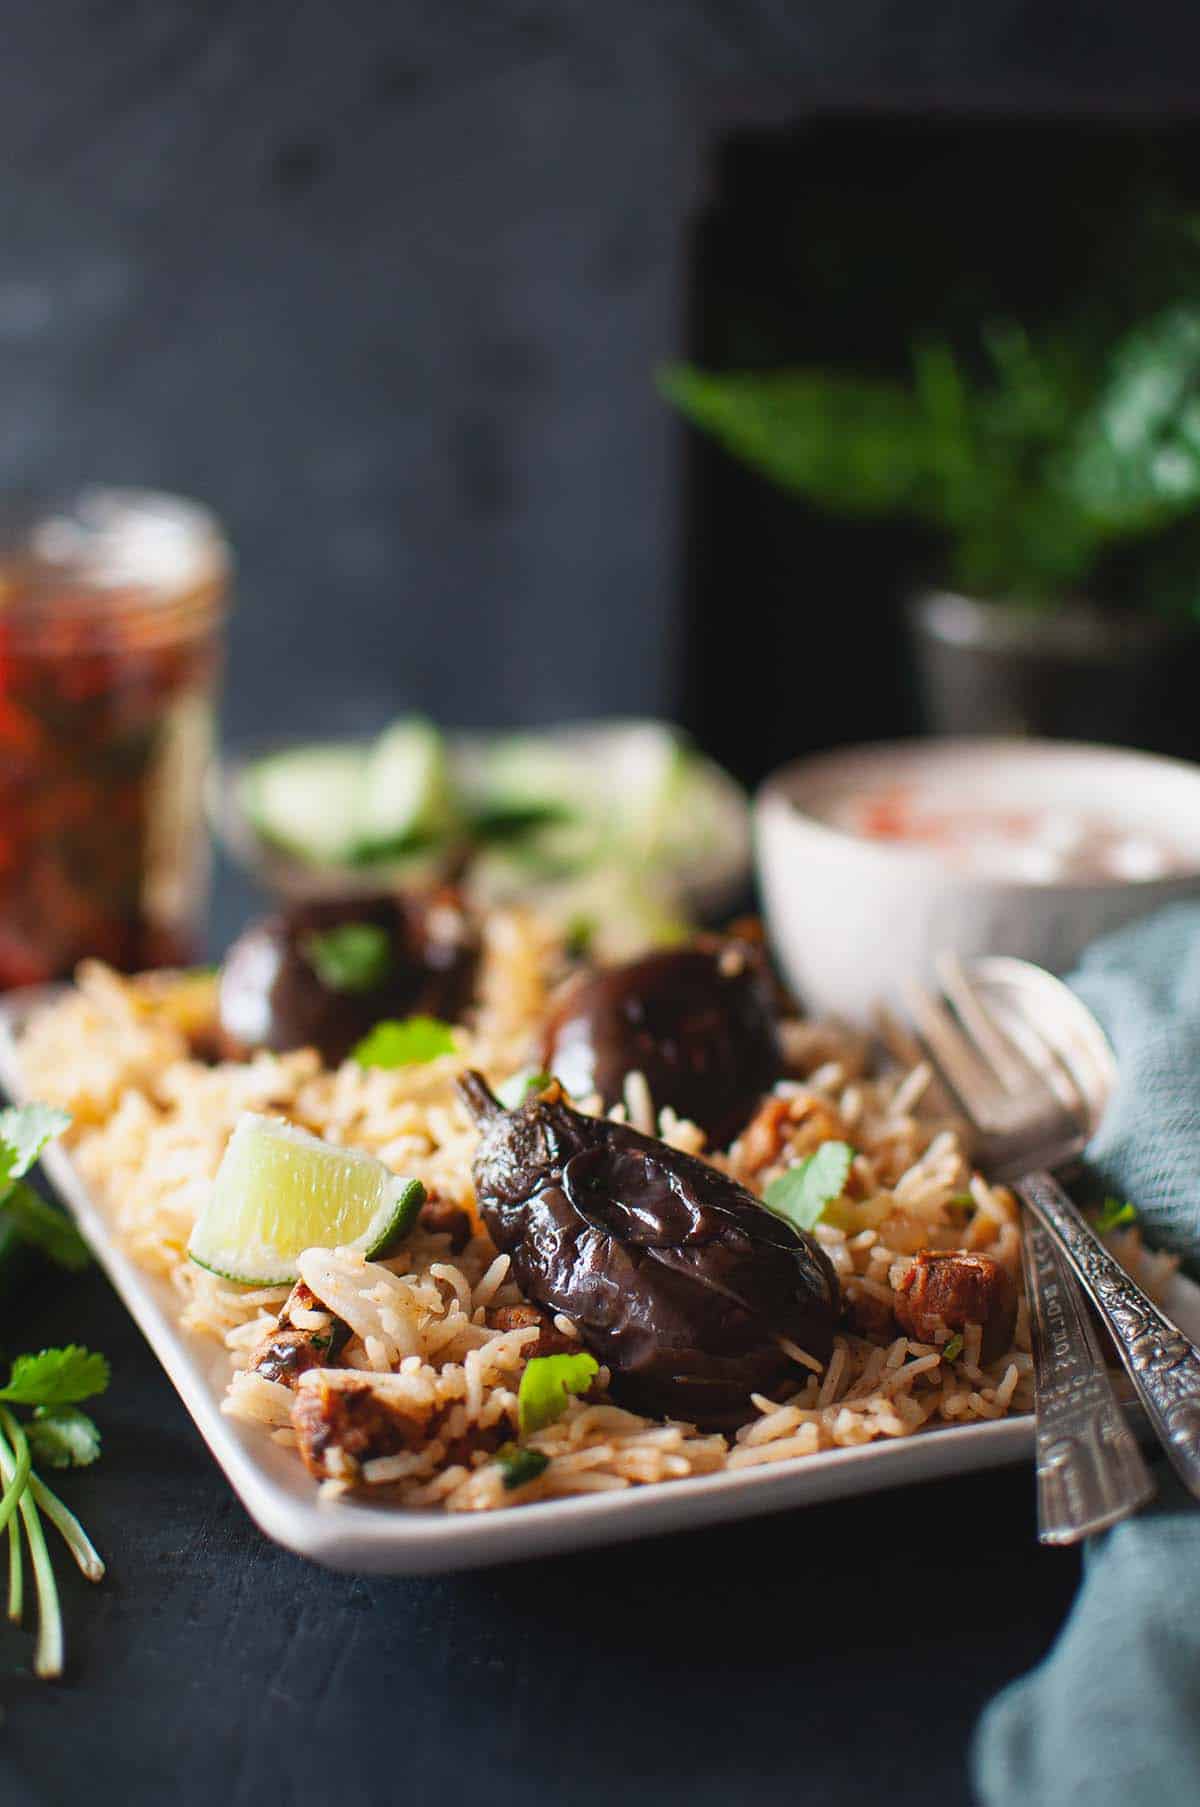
(1030, 1114)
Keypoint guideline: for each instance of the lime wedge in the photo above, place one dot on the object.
(279, 1191)
(406, 795)
(645, 764)
(545, 791)
(305, 800)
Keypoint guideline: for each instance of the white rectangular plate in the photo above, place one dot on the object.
(360, 1535)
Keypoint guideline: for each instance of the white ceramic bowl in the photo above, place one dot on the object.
(850, 917)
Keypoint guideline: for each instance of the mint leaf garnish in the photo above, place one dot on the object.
(545, 1384)
(520, 1466)
(405, 1043)
(352, 956)
(801, 1194)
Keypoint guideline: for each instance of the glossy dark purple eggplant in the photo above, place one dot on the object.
(272, 996)
(699, 1023)
(675, 1276)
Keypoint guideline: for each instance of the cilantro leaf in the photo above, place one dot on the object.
(499, 822)
(25, 1130)
(1113, 1215)
(801, 1194)
(520, 1466)
(542, 1395)
(392, 848)
(351, 956)
(45, 1227)
(952, 1349)
(525, 1084)
(63, 1436)
(578, 937)
(404, 1044)
(56, 1377)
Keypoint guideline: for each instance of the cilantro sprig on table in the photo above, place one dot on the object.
(52, 1383)
(50, 1386)
(25, 1130)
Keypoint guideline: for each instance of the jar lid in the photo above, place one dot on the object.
(110, 550)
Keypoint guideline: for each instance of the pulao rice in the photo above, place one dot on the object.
(151, 1123)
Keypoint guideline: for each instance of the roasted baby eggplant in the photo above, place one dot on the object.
(319, 975)
(675, 1276)
(698, 1022)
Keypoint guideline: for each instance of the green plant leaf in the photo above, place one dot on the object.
(406, 1043)
(994, 462)
(545, 1384)
(851, 445)
(944, 402)
(801, 1194)
(1134, 465)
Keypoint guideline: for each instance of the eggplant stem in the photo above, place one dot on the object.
(478, 1096)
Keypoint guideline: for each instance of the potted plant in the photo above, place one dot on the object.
(1060, 479)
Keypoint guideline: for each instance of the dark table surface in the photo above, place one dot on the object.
(837, 1655)
(832, 1656)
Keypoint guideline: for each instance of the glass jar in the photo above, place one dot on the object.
(111, 607)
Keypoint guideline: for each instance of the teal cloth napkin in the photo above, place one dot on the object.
(1111, 1718)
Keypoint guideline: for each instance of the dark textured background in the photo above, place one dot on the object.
(384, 284)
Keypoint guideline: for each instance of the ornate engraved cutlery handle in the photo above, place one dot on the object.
(1090, 1471)
(1160, 1361)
